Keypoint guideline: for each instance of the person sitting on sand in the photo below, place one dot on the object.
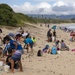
(46, 49)
(54, 50)
(64, 46)
(57, 43)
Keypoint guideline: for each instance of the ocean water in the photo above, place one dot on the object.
(69, 26)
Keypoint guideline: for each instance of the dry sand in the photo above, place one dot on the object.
(60, 64)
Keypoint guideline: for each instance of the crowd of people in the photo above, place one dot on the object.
(13, 49)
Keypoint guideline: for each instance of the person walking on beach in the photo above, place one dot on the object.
(48, 25)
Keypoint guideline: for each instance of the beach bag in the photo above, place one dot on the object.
(54, 50)
(39, 53)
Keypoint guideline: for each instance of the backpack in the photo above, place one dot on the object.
(39, 53)
(54, 50)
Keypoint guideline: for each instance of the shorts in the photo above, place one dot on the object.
(31, 45)
(15, 59)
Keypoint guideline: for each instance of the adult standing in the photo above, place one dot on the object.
(49, 35)
(54, 35)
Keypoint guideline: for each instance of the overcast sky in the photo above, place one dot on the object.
(58, 7)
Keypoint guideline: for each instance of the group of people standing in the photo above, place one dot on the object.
(51, 36)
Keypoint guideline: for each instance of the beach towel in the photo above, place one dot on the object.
(73, 50)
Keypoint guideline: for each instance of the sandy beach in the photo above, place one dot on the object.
(60, 64)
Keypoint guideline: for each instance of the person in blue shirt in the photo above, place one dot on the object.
(29, 43)
(54, 50)
(13, 44)
(17, 51)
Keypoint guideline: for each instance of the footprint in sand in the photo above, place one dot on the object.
(45, 67)
(60, 74)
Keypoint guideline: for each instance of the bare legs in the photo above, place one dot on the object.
(12, 66)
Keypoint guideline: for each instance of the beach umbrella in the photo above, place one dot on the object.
(54, 27)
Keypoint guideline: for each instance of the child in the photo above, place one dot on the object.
(46, 49)
(29, 43)
(17, 52)
(16, 57)
(57, 43)
(34, 40)
(8, 59)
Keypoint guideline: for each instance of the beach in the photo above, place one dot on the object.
(60, 64)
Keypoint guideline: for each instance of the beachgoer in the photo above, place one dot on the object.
(29, 43)
(48, 25)
(0, 37)
(54, 35)
(46, 49)
(28, 34)
(21, 30)
(17, 52)
(57, 43)
(49, 35)
(34, 40)
(16, 57)
(64, 46)
(18, 38)
(8, 59)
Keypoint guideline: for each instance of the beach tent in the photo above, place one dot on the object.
(54, 27)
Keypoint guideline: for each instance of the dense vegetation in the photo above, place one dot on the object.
(9, 17)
